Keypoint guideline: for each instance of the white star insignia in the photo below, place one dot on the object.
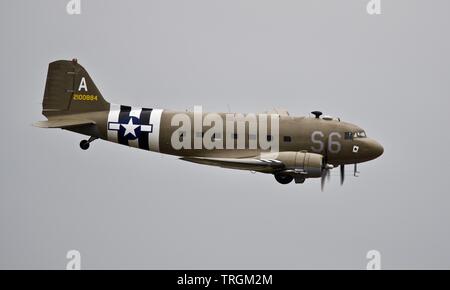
(130, 128)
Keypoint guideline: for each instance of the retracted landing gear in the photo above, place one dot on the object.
(286, 178)
(299, 179)
(84, 144)
(283, 178)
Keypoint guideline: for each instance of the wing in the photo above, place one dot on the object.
(278, 111)
(63, 123)
(253, 164)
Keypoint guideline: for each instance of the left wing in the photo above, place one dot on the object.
(253, 163)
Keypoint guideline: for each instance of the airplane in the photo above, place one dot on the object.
(288, 147)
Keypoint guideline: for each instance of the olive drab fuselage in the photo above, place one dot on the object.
(309, 134)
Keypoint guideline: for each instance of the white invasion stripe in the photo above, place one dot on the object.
(113, 116)
(135, 112)
(114, 126)
(153, 138)
(146, 128)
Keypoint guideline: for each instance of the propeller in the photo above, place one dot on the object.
(325, 170)
(326, 175)
(322, 180)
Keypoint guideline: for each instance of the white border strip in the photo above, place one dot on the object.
(153, 138)
(113, 116)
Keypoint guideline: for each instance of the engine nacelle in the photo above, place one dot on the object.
(307, 164)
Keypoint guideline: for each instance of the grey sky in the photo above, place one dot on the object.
(125, 208)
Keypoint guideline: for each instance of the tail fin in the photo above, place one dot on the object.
(69, 90)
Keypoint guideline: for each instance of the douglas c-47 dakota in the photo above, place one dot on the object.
(290, 148)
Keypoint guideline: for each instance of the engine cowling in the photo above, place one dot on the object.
(308, 164)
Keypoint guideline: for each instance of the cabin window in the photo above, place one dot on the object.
(235, 136)
(287, 139)
(269, 138)
(348, 135)
(181, 136)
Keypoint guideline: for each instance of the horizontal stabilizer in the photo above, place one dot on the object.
(63, 123)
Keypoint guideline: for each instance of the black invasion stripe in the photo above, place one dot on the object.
(124, 115)
(145, 120)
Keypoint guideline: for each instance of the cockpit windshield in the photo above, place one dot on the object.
(360, 134)
(354, 135)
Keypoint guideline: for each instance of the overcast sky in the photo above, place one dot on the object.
(126, 208)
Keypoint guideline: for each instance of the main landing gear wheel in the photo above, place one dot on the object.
(84, 144)
(283, 178)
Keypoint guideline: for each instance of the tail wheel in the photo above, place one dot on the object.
(84, 144)
(283, 178)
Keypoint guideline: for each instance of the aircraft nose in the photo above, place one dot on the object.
(376, 149)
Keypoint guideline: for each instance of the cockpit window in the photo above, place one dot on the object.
(360, 134)
(348, 136)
